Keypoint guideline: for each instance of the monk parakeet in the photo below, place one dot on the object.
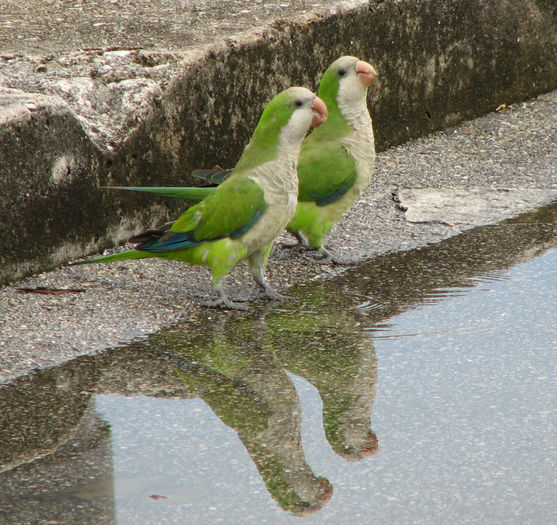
(242, 217)
(336, 160)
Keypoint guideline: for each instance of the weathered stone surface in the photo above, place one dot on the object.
(49, 171)
(474, 206)
(152, 90)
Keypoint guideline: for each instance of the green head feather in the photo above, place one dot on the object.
(263, 146)
(336, 125)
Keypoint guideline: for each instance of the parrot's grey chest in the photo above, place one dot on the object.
(361, 145)
(279, 182)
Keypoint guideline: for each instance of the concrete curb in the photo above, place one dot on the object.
(72, 121)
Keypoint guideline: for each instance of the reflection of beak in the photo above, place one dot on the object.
(326, 490)
(319, 112)
(362, 448)
(366, 72)
(372, 445)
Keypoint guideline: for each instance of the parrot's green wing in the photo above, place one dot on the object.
(325, 172)
(230, 210)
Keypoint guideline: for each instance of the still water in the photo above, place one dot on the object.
(416, 388)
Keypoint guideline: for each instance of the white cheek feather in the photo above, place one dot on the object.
(295, 131)
(351, 91)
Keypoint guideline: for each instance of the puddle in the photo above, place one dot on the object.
(416, 388)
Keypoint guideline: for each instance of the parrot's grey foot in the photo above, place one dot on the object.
(224, 302)
(301, 245)
(269, 290)
(274, 295)
(297, 247)
(324, 256)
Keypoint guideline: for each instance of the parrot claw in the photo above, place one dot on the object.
(268, 289)
(224, 302)
(298, 247)
(324, 256)
(274, 295)
(301, 245)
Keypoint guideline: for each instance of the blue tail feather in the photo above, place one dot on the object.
(170, 241)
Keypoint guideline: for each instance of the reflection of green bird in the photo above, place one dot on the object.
(234, 403)
(336, 160)
(328, 350)
(242, 217)
(247, 388)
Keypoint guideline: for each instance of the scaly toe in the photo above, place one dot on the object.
(225, 304)
(297, 247)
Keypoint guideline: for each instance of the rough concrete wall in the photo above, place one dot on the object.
(439, 62)
(444, 62)
(48, 183)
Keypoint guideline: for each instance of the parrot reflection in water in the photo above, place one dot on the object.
(240, 367)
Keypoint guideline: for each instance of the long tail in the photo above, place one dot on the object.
(122, 256)
(192, 193)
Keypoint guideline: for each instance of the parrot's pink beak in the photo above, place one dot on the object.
(366, 72)
(319, 112)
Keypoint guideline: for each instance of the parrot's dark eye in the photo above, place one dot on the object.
(341, 72)
(299, 103)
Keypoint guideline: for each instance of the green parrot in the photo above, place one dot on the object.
(336, 160)
(240, 219)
